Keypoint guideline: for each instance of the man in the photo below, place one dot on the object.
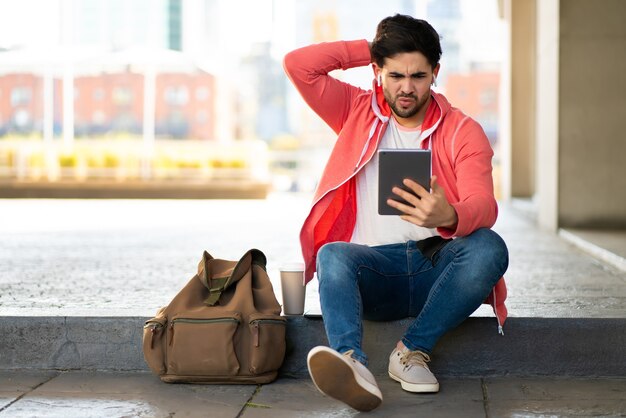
(389, 267)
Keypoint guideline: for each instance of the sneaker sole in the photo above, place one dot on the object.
(416, 387)
(333, 377)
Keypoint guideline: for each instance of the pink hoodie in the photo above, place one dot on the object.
(461, 153)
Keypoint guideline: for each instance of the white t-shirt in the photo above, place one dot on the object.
(374, 229)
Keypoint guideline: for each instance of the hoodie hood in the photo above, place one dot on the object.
(437, 109)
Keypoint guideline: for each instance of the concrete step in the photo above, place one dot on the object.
(530, 347)
(75, 290)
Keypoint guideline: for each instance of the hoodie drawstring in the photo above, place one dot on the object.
(495, 311)
(369, 138)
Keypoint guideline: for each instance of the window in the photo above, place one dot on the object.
(202, 94)
(21, 96)
(176, 96)
(122, 96)
(21, 118)
(98, 94)
(98, 117)
(488, 96)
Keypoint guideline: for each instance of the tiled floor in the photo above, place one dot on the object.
(89, 394)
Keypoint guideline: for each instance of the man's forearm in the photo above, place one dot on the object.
(308, 69)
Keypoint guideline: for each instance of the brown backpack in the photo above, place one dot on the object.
(224, 326)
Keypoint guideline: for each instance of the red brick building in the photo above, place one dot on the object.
(113, 103)
(477, 94)
(21, 103)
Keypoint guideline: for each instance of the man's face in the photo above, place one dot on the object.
(406, 79)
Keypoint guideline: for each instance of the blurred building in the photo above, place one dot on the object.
(108, 103)
(330, 20)
(445, 16)
(263, 108)
(21, 103)
(120, 24)
(477, 95)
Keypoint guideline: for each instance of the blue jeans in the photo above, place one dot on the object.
(395, 281)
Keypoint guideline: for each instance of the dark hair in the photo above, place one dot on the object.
(401, 33)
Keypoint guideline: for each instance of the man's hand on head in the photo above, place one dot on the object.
(430, 209)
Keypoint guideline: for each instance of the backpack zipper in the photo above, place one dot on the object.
(197, 321)
(256, 330)
(154, 327)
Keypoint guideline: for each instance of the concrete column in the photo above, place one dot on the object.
(518, 87)
(547, 113)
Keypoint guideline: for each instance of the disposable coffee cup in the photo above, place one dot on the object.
(293, 289)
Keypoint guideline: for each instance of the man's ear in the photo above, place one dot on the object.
(377, 73)
(377, 69)
(436, 69)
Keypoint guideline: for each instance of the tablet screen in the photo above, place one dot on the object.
(395, 165)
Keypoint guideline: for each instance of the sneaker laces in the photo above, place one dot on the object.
(348, 353)
(414, 358)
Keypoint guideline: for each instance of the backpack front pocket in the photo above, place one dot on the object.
(153, 332)
(202, 344)
(267, 350)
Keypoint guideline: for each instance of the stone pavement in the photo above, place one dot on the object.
(130, 257)
(67, 265)
(101, 394)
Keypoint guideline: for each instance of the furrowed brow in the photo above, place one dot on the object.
(399, 74)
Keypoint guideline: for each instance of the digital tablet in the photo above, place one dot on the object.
(395, 165)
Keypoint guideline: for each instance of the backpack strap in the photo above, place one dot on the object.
(216, 285)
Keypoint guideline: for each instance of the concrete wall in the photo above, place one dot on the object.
(592, 114)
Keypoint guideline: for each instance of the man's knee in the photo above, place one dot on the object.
(490, 247)
(332, 255)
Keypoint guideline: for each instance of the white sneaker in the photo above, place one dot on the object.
(410, 369)
(343, 378)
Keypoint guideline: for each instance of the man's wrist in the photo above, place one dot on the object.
(453, 219)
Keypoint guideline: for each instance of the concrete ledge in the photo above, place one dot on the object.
(213, 189)
(531, 346)
(602, 248)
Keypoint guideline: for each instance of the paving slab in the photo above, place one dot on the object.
(23, 380)
(298, 398)
(138, 394)
(91, 394)
(14, 384)
(555, 397)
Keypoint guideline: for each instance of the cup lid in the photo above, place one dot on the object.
(292, 266)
